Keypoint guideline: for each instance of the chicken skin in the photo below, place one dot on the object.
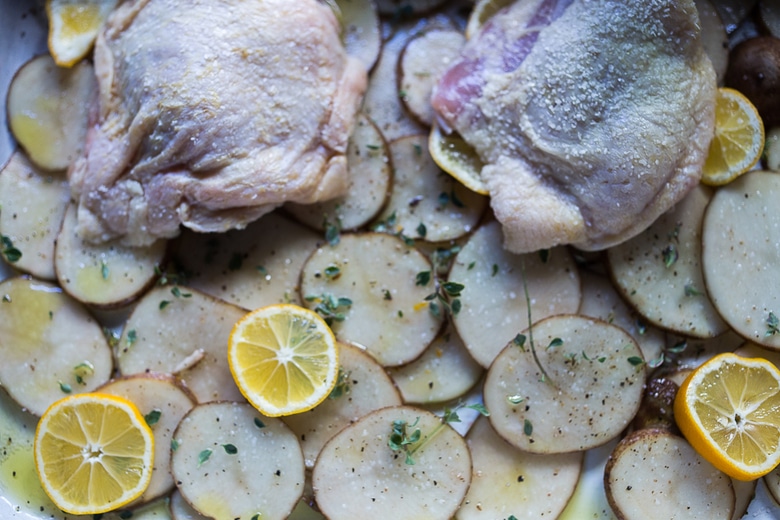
(592, 117)
(212, 113)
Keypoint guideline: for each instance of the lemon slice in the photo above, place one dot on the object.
(73, 27)
(93, 453)
(456, 157)
(738, 141)
(729, 410)
(283, 358)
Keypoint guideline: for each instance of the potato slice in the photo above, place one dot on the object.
(363, 387)
(370, 179)
(654, 474)
(659, 271)
(105, 275)
(581, 389)
(589, 499)
(494, 307)
(181, 331)
(740, 256)
(425, 202)
(508, 481)
(362, 37)
(422, 62)
(47, 110)
(358, 475)
(23, 496)
(50, 345)
(444, 372)
(377, 273)
(714, 37)
(163, 401)
(182, 510)
(32, 206)
(601, 300)
(251, 268)
(229, 461)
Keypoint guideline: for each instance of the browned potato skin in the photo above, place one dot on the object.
(657, 408)
(754, 70)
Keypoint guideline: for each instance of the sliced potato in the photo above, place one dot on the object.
(494, 307)
(23, 496)
(444, 372)
(382, 101)
(740, 256)
(47, 109)
(653, 474)
(50, 345)
(362, 37)
(425, 202)
(508, 481)
(660, 271)
(229, 461)
(105, 275)
(163, 401)
(370, 176)
(714, 37)
(377, 274)
(580, 389)
(251, 268)
(601, 300)
(181, 331)
(182, 510)
(589, 500)
(363, 387)
(422, 62)
(32, 206)
(358, 475)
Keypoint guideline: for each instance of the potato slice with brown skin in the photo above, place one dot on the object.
(50, 345)
(425, 202)
(363, 387)
(229, 461)
(444, 372)
(47, 110)
(251, 268)
(32, 206)
(181, 331)
(660, 271)
(507, 481)
(370, 177)
(358, 475)
(740, 255)
(422, 62)
(163, 401)
(377, 273)
(106, 275)
(581, 388)
(601, 300)
(653, 474)
(494, 307)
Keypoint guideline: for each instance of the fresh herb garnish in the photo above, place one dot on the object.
(342, 385)
(153, 417)
(772, 324)
(230, 449)
(11, 253)
(330, 307)
(203, 456)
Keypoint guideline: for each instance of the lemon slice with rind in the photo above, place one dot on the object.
(283, 358)
(73, 27)
(456, 157)
(729, 410)
(93, 452)
(738, 141)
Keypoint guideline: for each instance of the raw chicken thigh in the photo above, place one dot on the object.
(211, 113)
(592, 117)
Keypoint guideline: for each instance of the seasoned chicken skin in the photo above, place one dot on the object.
(211, 113)
(592, 117)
